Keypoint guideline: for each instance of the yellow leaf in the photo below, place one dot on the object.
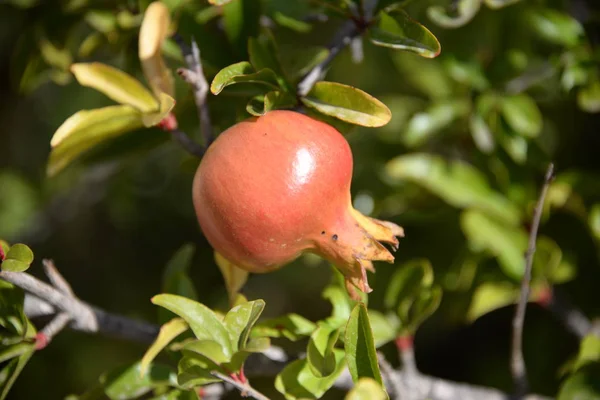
(168, 332)
(154, 31)
(166, 105)
(235, 277)
(116, 84)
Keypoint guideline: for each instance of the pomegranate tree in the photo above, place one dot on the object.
(272, 187)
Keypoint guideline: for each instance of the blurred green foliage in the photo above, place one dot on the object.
(459, 166)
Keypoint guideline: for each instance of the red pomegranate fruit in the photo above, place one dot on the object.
(273, 187)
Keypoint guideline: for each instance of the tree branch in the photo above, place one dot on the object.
(572, 318)
(245, 389)
(83, 317)
(518, 369)
(194, 75)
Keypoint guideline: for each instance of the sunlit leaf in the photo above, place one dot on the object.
(240, 320)
(297, 381)
(361, 355)
(588, 97)
(397, 30)
(583, 384)
(367, 389)
(242, 72)
(522, 115)
(59, 58)
(116, 84)
(127, 383)
(348, 104)
(491, 296)
(507, 243)
(385, 328)
(18, 258)
(481, 133)
(168, 332)
(291, 23)
(456, 182)
(88, 128)
(423, 125)
(319, 355)
(556, 26)
(153, 32)
(496, 4)
(201, 319)
(465, 11)
(219, 2)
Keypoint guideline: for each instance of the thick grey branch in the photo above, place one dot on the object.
(83, 317)
(518, 369)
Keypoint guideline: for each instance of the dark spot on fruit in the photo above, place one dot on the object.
(335, 237)
(322, 232)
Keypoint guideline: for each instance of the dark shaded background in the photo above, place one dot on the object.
(112, 222)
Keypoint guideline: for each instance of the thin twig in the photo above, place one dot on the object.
(187, 143)
(57, 324)
(244, 388)
(518, 369)
(194, 75)
(55, 278)
(347, 32)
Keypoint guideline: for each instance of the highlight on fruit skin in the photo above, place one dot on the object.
(273, 187)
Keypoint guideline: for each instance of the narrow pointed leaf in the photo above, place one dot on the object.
(465, 11)
(166, 105)
(497, 4)
(240, 320)
(361, 355)
(168, 332)
(556, 27)
(242, 72)
(116, 84)
(320, 350)
(588, 98)
(397, 30)
(153, 32)
(88, 128)
(11, 371)
(234, 277)
(291, 326)
(201, 319)
(348, 104)
(127, 383)
(490, 296)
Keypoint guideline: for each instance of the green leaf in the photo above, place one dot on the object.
(219, 2)
(175, 279)
(260, 105)
(556, 27)
(11, 371)
(507, 243)
(291, 23)
(385, 328)
(432, 79)
(15, 350)
(12, 318)
(583, 384)
(297, 381)
(465, 11)
(242, 72)
(166, 105)
(88, 128)
(264, 54)
(497, 4)
(241, 20)
(367, 389)
(341, 302)
(456, 182)
(361, 355)
(240, 320)
(18, 258)
(291, 326)
(423, 125)
(211, 352)
(397, 30)
(127, 382)
(469, 73)
(319, 355)
(115, 84)
(481, 133)
(588, 97)
(522, 115)
(348, 104)
(490, 296)
(594, 220)
(202, 320)
(168, 332)
(515, 145)
(589, 352)
(59, 58)
(407, 281)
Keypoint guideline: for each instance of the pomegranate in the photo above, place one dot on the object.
(273, 187)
